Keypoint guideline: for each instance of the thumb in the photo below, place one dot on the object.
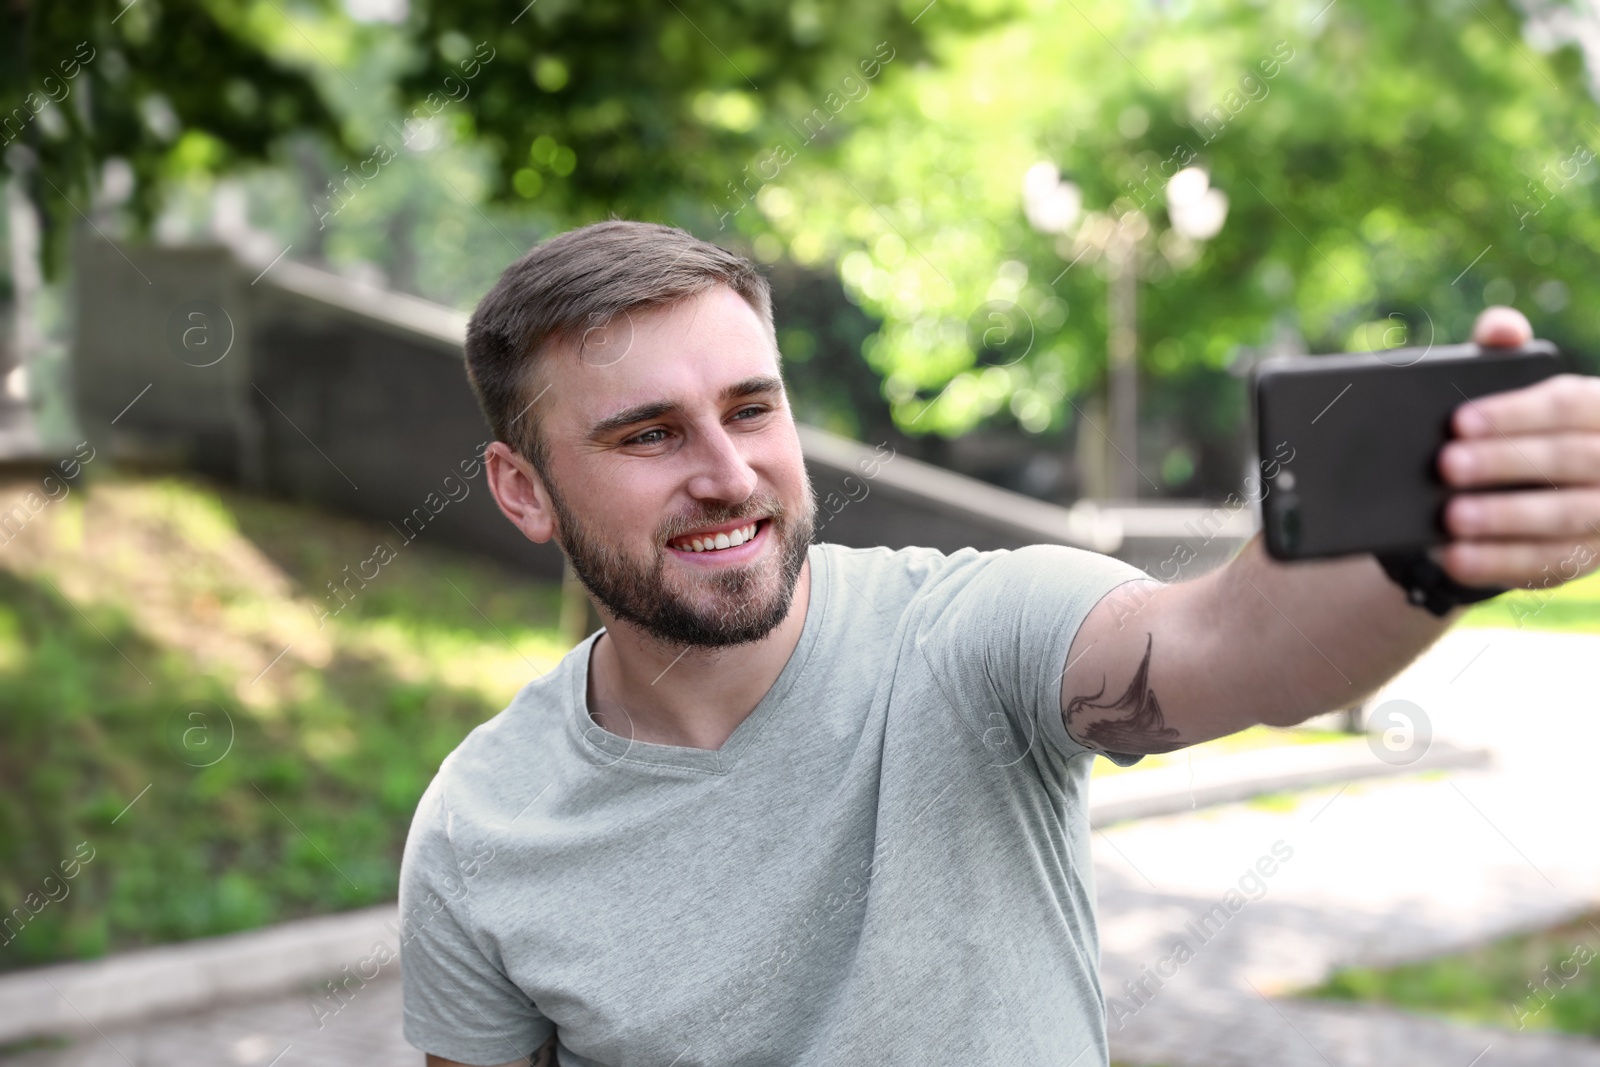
(1502, 327)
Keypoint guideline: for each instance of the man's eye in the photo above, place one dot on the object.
(750, 412)
(649, 437)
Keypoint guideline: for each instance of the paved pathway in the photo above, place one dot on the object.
(282, 1032)
(1380, 872)
(1375, 872)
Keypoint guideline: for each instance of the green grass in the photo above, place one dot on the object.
(1275, 802)
(1545, 980)
(1571, 608)
(137, 602)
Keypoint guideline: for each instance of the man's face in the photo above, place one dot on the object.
(671, 429)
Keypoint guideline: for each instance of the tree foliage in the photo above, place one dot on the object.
(165, 86)
(660, 110)
(1391, 168)
(589, 109)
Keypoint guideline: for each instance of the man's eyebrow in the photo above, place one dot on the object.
(761, 383)
(628, 416)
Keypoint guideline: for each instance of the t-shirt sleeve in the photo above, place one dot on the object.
(998, 636)
(458, 1001)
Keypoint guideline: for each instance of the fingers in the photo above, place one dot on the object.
(1564, 402)
(1502, 327)
(1533, 515)
(1545, 434)
(1521, 563)
(1545, 459)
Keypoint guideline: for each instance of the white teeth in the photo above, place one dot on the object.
(721, 540)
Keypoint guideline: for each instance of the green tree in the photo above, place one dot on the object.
(166, 86)
(1390, 168)
(659, 111)
(588, 108)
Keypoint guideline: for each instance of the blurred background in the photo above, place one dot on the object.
(1024, 255)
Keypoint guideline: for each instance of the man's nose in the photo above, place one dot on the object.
(721, 472)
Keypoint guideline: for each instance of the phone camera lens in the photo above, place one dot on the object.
(1286, 519)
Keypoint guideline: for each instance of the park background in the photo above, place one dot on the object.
(980, 261)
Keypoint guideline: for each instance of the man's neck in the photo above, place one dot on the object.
(643, 689)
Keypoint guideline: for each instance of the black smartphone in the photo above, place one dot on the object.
(1349, 444)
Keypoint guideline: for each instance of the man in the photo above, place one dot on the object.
(801, 804)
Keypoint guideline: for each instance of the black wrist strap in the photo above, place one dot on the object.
(1426, 583)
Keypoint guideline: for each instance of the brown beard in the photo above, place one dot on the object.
(748, 602)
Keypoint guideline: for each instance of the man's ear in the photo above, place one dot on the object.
(520, 492)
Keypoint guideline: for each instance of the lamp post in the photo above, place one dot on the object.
(19, 438)
(1122, 341)
(1108, 455)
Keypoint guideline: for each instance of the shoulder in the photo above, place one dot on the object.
(484, 778)
(1027, 585)
(927, 581)
(888, 570)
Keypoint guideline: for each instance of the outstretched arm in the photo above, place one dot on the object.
(1158, 667)
(1155, 668)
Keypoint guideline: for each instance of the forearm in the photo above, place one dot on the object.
(1255, 641)
(1304, 638)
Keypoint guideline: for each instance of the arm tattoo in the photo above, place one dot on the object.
(546, 1056)
(1140, 729)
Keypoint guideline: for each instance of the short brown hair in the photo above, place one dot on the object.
(575, 282)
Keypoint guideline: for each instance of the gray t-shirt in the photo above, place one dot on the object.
(887, 862)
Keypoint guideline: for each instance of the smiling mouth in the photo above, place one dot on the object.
(717, 542)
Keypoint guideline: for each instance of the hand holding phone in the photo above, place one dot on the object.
(1495, 465)
(1355, 442)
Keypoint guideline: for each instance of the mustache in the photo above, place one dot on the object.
(766, 506)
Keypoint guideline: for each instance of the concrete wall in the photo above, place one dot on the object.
(356, 399)
(126, 370)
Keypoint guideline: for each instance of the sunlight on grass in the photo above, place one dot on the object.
(1574, 608)
(1276, 802)
(218, 657)
(1545, 980)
